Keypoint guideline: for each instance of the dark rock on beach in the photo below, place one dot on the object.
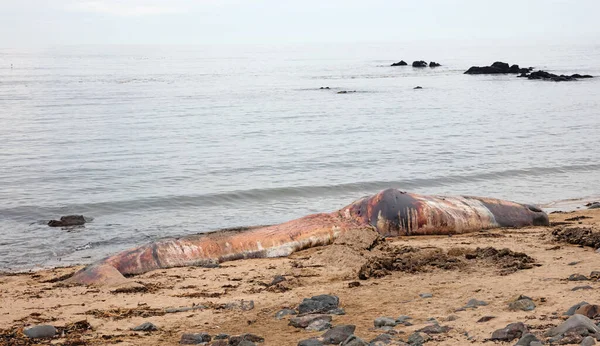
(323, 303)
(522, 303)
(434, 64)
(145, 327)
(526, 340)
(577, 277)
(68, 221)
(238, 340)
(284, 312)
(318, 325)
(574, 322)
(338, 334)
(304, 321)
(40, 331)
(354, 340)
(420, 63)
(399, 63)
(434, 329)
(418, 87)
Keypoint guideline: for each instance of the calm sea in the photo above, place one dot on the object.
(157, 141)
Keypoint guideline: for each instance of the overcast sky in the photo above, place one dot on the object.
(51, 22)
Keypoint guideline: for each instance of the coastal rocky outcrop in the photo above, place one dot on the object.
(434, 64)
(498, 68)
(543, 75)
(419, 63)
(67, 221)
(399, 63)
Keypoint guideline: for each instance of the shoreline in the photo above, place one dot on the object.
(216, 300)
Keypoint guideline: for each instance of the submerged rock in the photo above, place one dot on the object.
(399, 63)
(497, 68)
(420, 63)
(434, 64)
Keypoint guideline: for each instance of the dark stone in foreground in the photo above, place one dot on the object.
(385, 322)
(526, 339)
(319, 304)
(524, 304)
(420, 63)
(510, 332)
(68, 220)
(338, 334)
(399, 63)
(354, 340)
(145, 327)
(310, 342)
(194, 338)
(41, 331)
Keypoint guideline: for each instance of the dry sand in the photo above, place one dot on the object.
(32, 298)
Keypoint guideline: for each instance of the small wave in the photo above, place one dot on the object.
(262, 195)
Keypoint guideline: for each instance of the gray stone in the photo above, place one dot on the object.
(418, 339)
(319, 304)
(526, 339)
(588, 341)
(236, 340)
(284, 312)
(277, 279)
(582, 288)
(404, 320)
(246, 343)
(40, 331)
(310, 342)
(385, 322)
(574, 308)
(577, 277)
(244, 305)
(536, 343)
(194, 338)
(354, 340)
(145, 327)
(318, 326)
(337, 311)
(522, 304)
(221, 336)
(510, 332)
(574, 321)
(425, 295)
(434, 329)
(304, 321)
(338, 334)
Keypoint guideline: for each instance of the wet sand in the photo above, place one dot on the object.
(447, 267)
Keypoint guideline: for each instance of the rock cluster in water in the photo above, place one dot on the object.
(504, 68)
(417, 63)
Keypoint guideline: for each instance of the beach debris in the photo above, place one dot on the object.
(510, 332)
(353, 284)
(67, 221)
(40, 331)
(338, 334)
(578, 235)
(145, 327)
(399, 63)
(194, 338)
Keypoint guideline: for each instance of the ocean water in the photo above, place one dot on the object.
(159, 141)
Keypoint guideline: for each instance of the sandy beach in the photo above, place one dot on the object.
(372, 278)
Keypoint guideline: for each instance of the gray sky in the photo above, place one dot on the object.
(51, 22)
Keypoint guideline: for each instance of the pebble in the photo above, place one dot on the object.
(304, 321)
(574, 321)
(577, 277)
(526, 340)
(522, 304)
(354, 340)
(284, 312)
(385, 322)
(194, 338)
(145, 327)
(338, 334)
(574, 308)
(588, 341)
(41, 331)
(319, 304)
(318, 326)
(425, 295)
(510, 332)
(310, 342)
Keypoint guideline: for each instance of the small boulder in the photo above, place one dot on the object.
(354, 340)
(420, 63)
(474, 303)
(525, 304)
(577, 277)
(145, 327)
(194, 338)
(417, 339)
(418, 87)
(284, 312)
(310, 342)
(434, 329)
(304, 321)
(385, 322)
(434, 64)
(40, 331)
(319, 304)
(338, 334)
(526, 339)
(318, 326)
(399, 63)
(510, 332)
(238, 339)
